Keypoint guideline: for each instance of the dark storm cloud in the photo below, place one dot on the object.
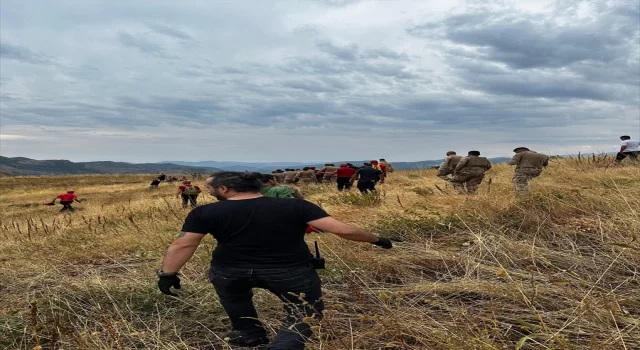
(525, 41)
(496, 72)
(500, 51)
(23, 54)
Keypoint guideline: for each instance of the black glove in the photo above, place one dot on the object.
(166, 282)
(383, 243)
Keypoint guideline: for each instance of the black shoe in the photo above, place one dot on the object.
(238, 339)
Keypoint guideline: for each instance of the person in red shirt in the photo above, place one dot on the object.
(66, 199)
(189, 194)
(344, 177)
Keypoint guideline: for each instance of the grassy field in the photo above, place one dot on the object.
(557, 270)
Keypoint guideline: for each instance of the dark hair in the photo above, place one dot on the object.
(366, 164)
(267, 177)
(451, 152)
(521, 149)
(306, 168)
(349, 164)
(279, 171)
(382, 159)
(474, 153)
(237, 181)
(625, 137)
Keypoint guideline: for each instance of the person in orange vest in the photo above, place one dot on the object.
(66, 199)
(189, 194)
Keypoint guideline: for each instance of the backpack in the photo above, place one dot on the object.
(190, 191)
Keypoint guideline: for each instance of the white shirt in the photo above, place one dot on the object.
(632, 145)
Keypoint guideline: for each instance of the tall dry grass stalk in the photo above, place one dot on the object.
(556, 270)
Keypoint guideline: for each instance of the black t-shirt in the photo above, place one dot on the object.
(256, 233)
(368, 174)
(155, 182)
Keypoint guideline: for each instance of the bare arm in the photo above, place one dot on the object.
(355, 177)
(180, 251)
(546, 162)
(343, 230)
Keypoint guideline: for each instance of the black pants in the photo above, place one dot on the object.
(344, 183)
(189, 199)
(622, 155)
(234, 287)
(66, 206)
(367, 186)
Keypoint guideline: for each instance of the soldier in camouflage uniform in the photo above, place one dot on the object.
(278, 176)
(289, 176)
(470, 172)
(448, 166)
(529, 165)
(329, 172)
(306, 176)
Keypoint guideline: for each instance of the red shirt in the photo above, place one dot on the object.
(346, 172)
(67, 197)
(383, 168)
(184, 186)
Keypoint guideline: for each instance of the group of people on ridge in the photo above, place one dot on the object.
(468, 172)
(344, 175)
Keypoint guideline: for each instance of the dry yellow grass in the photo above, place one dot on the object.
(557, 270)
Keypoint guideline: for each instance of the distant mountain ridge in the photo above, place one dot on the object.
(27, 166)
(270, 166)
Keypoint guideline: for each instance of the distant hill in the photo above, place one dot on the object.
(27, 166)
(268, 167)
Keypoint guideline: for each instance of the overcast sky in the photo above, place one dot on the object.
(315, 80)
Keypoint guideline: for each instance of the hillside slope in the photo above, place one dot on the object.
(555, 270)
(27, 166)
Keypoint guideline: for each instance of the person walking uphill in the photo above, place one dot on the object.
(246, 257)
(628, 148)
(66, 199)
(470, 172)
(329, 174)
(344, 173)
(189, 194)
(529, 165)
(289, 176)
(306, 176)
(367, 178)
(449, 164)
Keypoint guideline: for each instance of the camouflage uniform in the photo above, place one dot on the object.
(447, 167)
(295, 192)
(330, 174)
(279, 177)
(529, 165)
(307, 177)
(470, 172)
(289, 177)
